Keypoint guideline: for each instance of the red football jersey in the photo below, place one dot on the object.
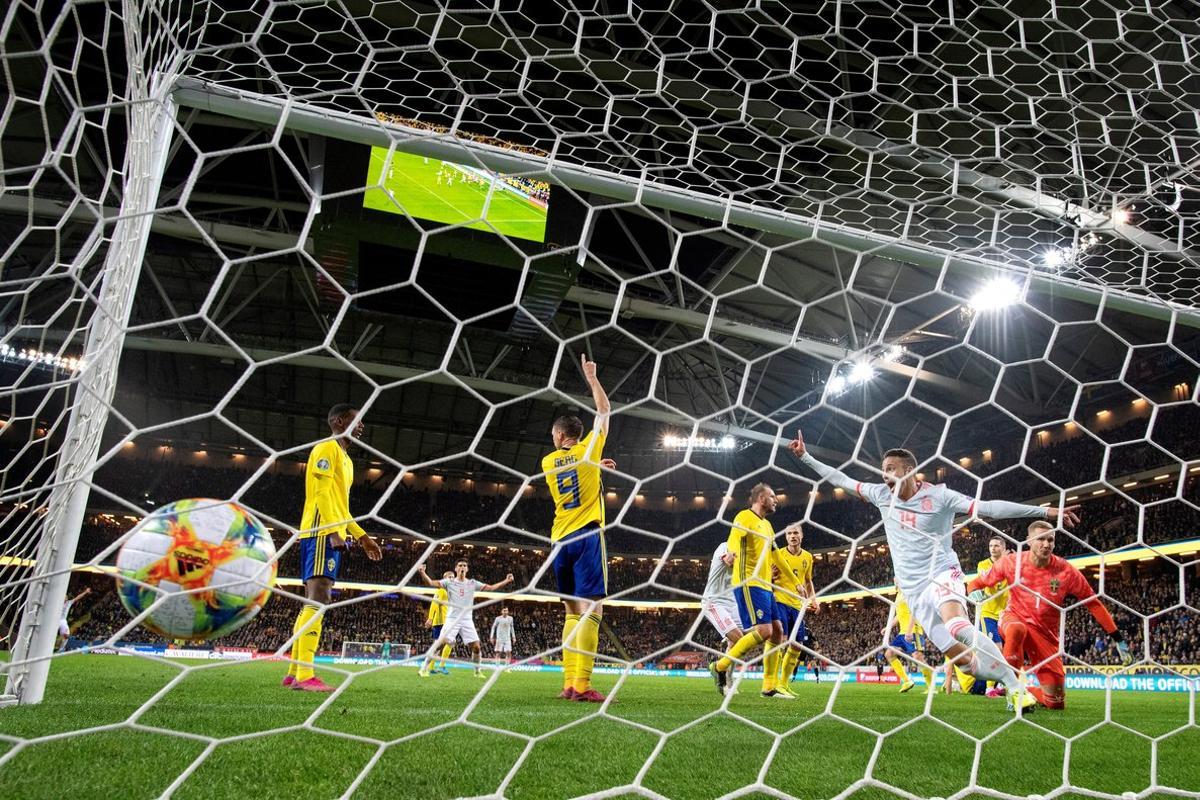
(1038, 596)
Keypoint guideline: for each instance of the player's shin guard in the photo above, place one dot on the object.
(301, 618)
(927, 673)
(447, 649)
(988, 662)
(787, 667)
(1014, 644)
(771, 666)
(569, 656)
(587, 639)
(743, 645)
(898, 668)
(309, 638)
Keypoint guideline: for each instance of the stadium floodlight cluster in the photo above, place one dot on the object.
(750, 211)
(673, 442)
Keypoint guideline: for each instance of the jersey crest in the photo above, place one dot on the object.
(927, 504)
(1054, 584)
(323, 464)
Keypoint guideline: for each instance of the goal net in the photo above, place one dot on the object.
(376, 651)
(969, 231)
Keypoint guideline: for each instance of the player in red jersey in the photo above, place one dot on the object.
(1040, 583)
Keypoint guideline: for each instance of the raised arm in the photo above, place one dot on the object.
(430, 582)
(599, 396)
(1003, 509)
(824, 471)
(491, 587)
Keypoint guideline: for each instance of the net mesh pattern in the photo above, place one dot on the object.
(946, 227)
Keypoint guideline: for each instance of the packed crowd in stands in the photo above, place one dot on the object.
(843, 632)
(1109, 523)
(278, 493)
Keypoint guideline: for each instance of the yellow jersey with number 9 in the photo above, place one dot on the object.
(573, 475)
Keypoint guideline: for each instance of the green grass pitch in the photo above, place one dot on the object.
(416, 735)
(412, 181)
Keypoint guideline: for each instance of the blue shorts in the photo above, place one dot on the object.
(318, 559)
(789, 617)
(756, 606)
(436, 630)
(907, 647)
(581, 565)
(992, 628)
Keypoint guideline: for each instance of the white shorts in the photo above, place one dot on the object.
(722, 614)
(63, 628)
(463, 626)
(503, 646)
(926, 607)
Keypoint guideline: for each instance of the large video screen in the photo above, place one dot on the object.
(442, 191)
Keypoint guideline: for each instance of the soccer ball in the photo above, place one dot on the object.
(208, 564)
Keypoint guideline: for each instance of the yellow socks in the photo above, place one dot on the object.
(787, 667)
(743, 645)
(771, 667)
(445, 656)
(301, 618)
(965, 681)
(927, 672)
(587, 640)
(898, 668)
(569, 655)
(309, 626)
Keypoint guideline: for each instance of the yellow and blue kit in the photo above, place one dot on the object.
(903, 617)
(573, 475)
(750, 541)
(991, 609)
(795, 573)
(327, 480)
(437, 611)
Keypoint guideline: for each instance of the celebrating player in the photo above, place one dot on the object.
(918, 519)
(578, 555)
(1039, 583)
(64, 625)
(909, 641)
(435, 620)
(793, 591)
(751, 541)
(460, 618)
(502, 636)
(325, 523)
(717, 603)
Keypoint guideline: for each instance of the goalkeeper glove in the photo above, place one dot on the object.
(977, 596)
(1123, 652)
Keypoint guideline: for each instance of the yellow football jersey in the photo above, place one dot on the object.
(327, 481)
(795, 571)
(904, 616)
(573, 475)
(437, 609)
(750, 541)
(991, 609)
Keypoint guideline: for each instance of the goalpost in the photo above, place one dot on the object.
(958, 199)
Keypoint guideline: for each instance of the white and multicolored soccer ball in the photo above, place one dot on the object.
(211, 562)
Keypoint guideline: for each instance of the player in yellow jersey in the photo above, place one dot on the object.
(751, 540)
(434, 621)
(578, 555)
(990, 610)
(910, 642)
(323, 528)
(794, 591)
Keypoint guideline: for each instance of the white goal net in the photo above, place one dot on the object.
(967, 230)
